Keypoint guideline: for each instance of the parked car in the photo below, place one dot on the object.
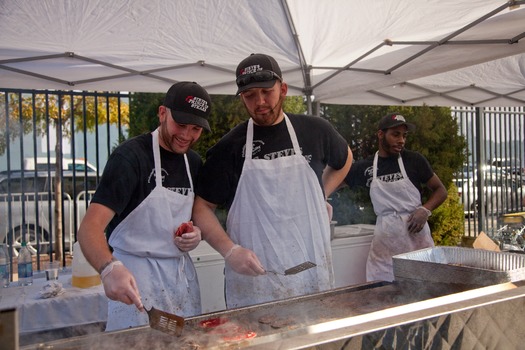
(27, 204)
(501, 194)
(42, 163)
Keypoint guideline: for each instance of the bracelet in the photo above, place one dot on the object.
(107, 270)
(429, 213)
(227, 255)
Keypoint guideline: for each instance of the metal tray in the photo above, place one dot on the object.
(459, 265)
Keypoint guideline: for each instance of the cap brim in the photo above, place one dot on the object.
(187, 118)
(257, 84)
(410, 126)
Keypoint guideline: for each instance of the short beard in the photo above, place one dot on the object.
(166, 139)
(387, 148)
(275, 112)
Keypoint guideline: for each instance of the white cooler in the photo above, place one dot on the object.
(350, 248)
(210, 271)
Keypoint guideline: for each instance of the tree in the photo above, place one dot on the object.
(39, 111)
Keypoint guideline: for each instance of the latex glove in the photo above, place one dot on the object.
(187, 241)
(417, 220)
(120, 285)
(244, 261)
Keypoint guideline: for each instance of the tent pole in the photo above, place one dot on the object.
(309, 104)
(479, 116)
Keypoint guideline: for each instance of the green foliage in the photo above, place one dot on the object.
(294, 105)
(447, 224)
(226, 112)
(143, 110)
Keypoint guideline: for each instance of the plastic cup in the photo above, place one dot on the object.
(51, 268)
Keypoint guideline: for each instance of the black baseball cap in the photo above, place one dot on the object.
(189, 104)
(392, 120)
(257, 71)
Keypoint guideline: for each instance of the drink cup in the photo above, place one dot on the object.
(51, 268)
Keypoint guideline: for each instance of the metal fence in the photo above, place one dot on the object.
(53, 148)
(493, 178)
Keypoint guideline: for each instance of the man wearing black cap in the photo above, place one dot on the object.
(145, 194)
(273, 172)
(395, 177)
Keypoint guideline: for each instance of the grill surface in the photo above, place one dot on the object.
(264, 323)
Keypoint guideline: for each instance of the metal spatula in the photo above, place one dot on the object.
(165, 322)
(296, 269)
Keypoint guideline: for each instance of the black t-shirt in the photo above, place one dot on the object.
(417, 168)
(129, 176)
(320, 144)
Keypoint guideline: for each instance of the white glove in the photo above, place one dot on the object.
(244, 261)
(120, 285)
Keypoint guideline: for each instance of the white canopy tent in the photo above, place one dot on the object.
(437, 52)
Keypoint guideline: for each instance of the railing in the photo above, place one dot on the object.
(493, 181)
(39, 129)
(33, 215)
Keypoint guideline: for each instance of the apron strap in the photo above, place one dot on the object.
(249, 138)
(399, 162)
(293, 136)
(156, 158)
(249, 141)
(188, 171)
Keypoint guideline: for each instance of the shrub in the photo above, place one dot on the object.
(447, 221)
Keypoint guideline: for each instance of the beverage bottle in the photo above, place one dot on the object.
(4, 265)
(25, 266)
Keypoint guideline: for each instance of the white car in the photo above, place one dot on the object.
(27, 205)
(42, 163)
(501, 194)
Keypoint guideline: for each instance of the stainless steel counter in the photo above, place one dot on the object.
(364, 316)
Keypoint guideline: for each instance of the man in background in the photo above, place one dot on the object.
(395, 177)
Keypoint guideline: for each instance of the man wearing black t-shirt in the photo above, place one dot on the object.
(395, 177)
(273, 173)
(145, 194)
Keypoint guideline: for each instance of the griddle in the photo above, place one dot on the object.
(297, 316)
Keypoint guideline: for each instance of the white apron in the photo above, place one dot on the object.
(279, 212)
(143, 241)
(393, 202)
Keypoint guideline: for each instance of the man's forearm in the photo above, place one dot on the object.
(332, 178)
(211, 229)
